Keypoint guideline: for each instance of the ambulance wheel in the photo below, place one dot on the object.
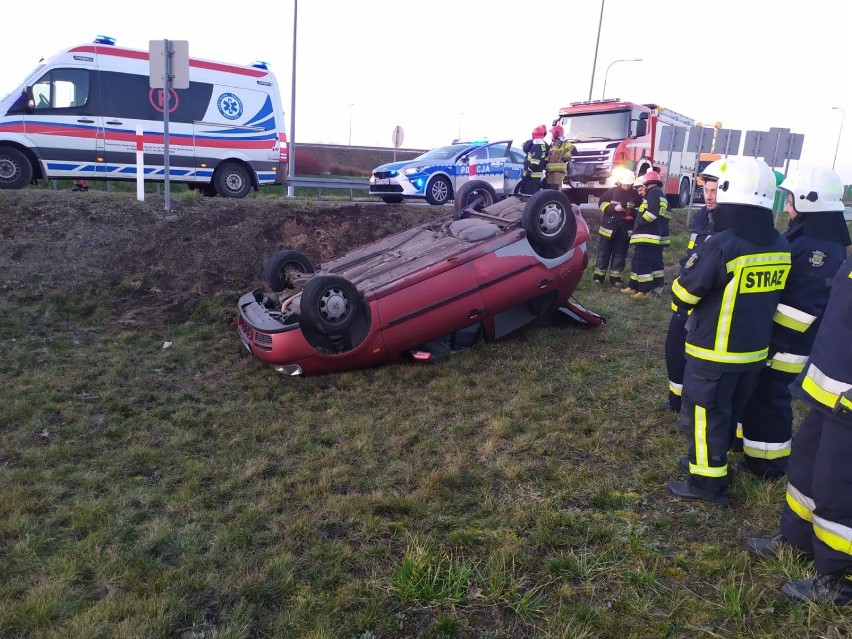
(476, 194)
(549, 223)
(438, 191)
(279, 269)
(392, 199)
(16, 172)
(232, 180)
(330, 304)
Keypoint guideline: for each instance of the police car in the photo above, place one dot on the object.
(437, 174)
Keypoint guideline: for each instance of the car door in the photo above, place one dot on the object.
(64, 124)
(488, 163)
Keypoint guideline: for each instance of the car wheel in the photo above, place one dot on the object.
(476, 194)
(330, 304)
(279, 269)
(438, 191)
(16, 172)
(392, 199)
(549, 223)
(232, 180)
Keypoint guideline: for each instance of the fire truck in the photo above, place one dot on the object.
(612, 134)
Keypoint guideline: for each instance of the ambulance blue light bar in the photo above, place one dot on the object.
(105, 40)
(260, 64)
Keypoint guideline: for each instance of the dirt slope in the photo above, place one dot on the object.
(160, 264)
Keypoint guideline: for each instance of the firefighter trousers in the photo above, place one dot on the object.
(676, 356)
(711, 405)
(817, 516)
(646, 258)
(612, 255)
(530, 185)
(768, 423)
(554, 179)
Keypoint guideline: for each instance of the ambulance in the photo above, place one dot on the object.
(85, 112)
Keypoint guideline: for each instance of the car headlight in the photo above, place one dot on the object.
(412, 169)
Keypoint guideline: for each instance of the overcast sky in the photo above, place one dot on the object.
(493, 68)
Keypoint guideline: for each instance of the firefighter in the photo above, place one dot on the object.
(732, 283)
(650, 236)
(817, 515)
(558, 154)
(701, 228)
(535, 161)
(618, 206)
(818, 238)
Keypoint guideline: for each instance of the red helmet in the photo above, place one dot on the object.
(539, 132)
(557, 130)
(652, 176)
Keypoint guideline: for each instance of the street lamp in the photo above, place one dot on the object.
(839, 133)
(350, 123)
(603, 94)
(597, 42)
(461, 117)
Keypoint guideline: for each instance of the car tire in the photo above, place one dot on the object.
(439, 191)
(476, 194)
(392, 199)
(549, 222)
(278, 269)
(16, 171)
(232, 180)
(330, 304)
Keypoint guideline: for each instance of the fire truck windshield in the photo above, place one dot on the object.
(587, 127)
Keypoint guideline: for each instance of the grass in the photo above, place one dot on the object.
(513, 490)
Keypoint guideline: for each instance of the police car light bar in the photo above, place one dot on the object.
(260, 64)
(104, 40)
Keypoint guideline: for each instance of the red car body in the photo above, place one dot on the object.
(476, 275)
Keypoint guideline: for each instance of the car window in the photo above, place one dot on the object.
(517, 155)
(442, 153)
(497, 150)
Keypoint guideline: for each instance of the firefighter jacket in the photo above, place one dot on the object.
(652, 219)
(815, 261)
(558, 154)
(629, 200)
(733, 284)
(826, 382)
(536, 159)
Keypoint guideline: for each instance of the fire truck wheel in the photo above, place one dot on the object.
(683, 196)
(439, 190)
(279, 269)
(549, 222)
(232, 180)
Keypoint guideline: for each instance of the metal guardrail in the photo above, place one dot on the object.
(319, 183)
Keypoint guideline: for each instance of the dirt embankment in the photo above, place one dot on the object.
(163, 261)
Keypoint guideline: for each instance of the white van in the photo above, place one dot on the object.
(76, 115)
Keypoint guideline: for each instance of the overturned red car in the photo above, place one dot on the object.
(473, 275)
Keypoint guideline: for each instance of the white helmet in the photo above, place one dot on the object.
(711, 172)
(814, 190)
(625, 177)
(744, 180)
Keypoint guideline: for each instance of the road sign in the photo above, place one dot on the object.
(179, 63)
(672, 138)
(700, 139)
(728, 141)
(397, 136)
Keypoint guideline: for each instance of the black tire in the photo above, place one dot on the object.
(16, 172)
(232, 180)
(439, 191)
(392, 199)
(549, 223)
(330, 304)
(278, 269)
(683, 195)
(476, 194)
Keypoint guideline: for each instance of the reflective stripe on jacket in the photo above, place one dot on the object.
(558, 155)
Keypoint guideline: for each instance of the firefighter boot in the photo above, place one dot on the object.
(684, 490)
(836, 589)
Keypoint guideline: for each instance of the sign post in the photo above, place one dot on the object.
(169, 69)
(397, 136)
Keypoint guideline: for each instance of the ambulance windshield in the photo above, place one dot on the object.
(17, 90)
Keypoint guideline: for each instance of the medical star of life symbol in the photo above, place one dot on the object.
(230, 106)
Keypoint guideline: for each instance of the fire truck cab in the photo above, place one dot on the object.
(612, 134)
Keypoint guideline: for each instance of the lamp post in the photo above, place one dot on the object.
(597, 42)
(291, 155)
(839, 133)
(350, 123)
(461, 117)
(603, 94)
